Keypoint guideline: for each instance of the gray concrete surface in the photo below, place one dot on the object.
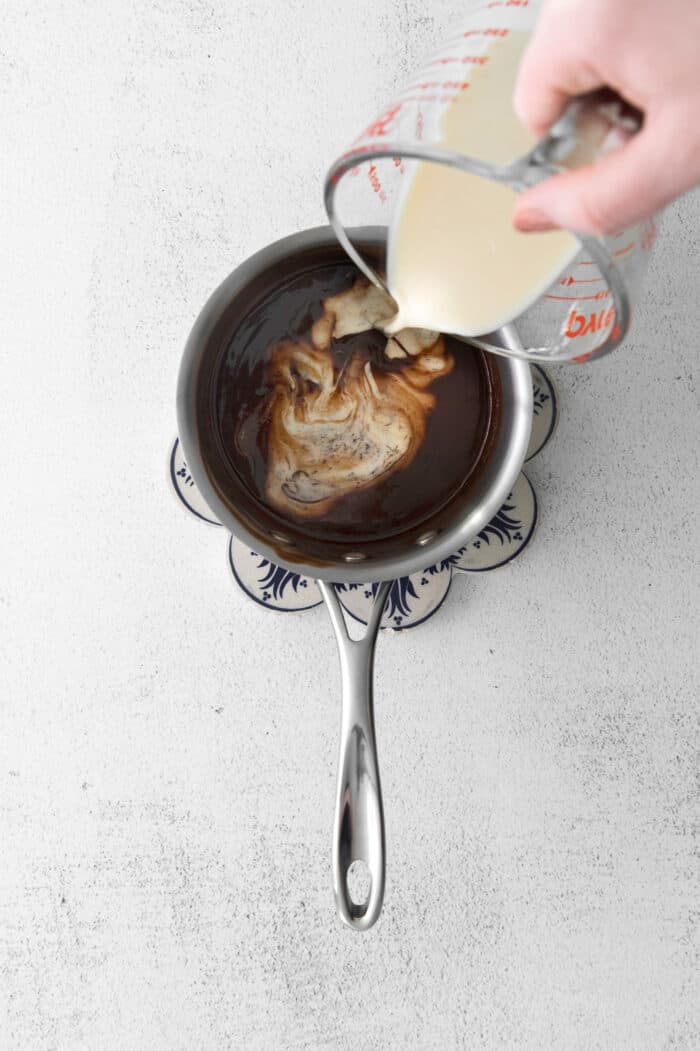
(168, 750)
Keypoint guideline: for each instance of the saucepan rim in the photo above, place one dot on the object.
(502, 469)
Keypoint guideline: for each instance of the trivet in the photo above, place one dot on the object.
(413, 599)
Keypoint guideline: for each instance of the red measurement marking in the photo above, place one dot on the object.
(581, 299)
(583, 324)
(364, 148)
(452, 85)
(508, 3)
(615, 334)
(398, 163)
(419, 127)
(620, 251)
(580, 280)
(351, 156)
(472, 60)
(375, 182)
(487, 32)
(380, 126)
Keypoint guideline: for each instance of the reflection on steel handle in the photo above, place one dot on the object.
(358, 833)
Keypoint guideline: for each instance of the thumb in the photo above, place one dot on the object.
(616, 191)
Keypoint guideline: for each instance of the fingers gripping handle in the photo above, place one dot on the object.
(358, 833)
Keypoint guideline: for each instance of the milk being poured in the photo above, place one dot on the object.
(455, 262)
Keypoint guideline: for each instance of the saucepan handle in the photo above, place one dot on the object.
(358, 834)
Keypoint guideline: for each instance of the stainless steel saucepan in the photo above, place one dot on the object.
(359, 823)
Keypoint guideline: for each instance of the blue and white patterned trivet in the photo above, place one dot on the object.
(185, 489)
(413, 599)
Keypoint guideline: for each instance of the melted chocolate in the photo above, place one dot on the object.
(459, 428)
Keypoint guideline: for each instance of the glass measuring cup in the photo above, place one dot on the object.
(583, 302)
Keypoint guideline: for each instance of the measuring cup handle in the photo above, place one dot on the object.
(358, 833)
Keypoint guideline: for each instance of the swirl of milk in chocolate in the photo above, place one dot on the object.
(336, 430)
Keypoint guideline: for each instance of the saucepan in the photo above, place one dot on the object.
(358, 835)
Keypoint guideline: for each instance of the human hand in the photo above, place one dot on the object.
(646, 50)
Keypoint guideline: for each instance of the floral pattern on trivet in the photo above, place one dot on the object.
(412, 599)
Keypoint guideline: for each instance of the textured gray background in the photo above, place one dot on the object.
(168, 749)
